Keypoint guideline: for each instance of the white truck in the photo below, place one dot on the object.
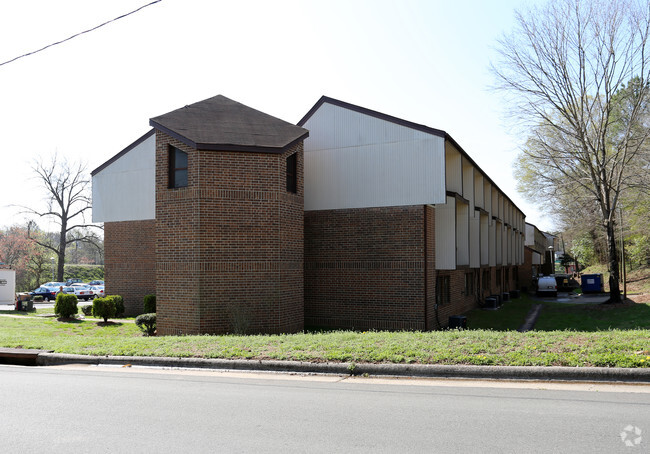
(7, 286)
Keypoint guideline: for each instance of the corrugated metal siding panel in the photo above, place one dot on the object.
(475, 240)
(492, 242)
(479, 200)
(468, 184)
(462, 234)
(485, 234)
(126, 189)
(446, 235)
(454, 169)
(353, 160)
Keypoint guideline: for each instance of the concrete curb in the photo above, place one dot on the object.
(580, 374)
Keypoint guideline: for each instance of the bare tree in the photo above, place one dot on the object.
(564, 69)
(68, 204)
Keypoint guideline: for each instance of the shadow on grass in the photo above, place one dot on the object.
(68, 320)
(108, 323)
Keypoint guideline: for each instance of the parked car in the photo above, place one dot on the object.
(73, 281)
(547, 285)
(91, 283)
(53, 284)
(98, 291)
(48, 293)
(83, 291)
(67, 289)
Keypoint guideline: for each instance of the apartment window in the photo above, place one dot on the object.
(442, 290)
(177, 168)
(292, 173)
(469, 284)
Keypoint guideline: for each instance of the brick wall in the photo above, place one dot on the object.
(130, 262)
(364, 268)
(230, 244)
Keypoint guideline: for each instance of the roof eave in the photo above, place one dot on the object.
(225, 146)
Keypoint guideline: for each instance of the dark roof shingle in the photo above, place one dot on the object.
(220, 123)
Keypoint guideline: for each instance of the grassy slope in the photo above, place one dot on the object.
(480, 347)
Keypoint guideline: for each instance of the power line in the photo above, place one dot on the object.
(80, 33)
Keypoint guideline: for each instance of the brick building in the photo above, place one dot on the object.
(240, 221)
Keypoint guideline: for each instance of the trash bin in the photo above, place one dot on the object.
(505, 296)
(498, 298)
(592, 283)
(457, 322)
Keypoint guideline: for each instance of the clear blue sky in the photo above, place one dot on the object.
(87, 99)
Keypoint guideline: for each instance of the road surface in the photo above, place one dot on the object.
(101, 409)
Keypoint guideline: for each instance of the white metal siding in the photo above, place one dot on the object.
(492, 243)
(474, 240)
(462, 234)
(485, 249)
(125, 190)
(453, 169)
(446, 235)
(353, 160)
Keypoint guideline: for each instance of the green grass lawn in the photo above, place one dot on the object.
(613, 348)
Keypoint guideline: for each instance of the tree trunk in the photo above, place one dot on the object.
(614, 277)
(61, 253)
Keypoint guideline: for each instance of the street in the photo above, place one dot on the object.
(102, 409)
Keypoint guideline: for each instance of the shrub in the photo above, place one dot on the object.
(149, 304)
(104, 308)
(66, 305)
(147, 323)
(38, 299)
(119, 305)
(87, 309)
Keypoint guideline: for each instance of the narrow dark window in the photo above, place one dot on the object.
(442, 290)
(292, 173)
(177, 168)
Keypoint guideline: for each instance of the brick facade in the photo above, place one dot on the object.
(130, 262)
(229, 245)
(364, 268)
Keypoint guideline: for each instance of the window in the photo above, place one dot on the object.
(442, 290)
(177, 168)
(292, 173)
(469, 284)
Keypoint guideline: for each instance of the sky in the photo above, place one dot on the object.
(88, 98)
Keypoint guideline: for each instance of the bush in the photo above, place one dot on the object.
(147, 323)
(87, 309)
(104, 308)
(66, 305)
(149, 304)
(38, 299)
(119, 305)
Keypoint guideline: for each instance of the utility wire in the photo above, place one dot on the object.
(80, 33)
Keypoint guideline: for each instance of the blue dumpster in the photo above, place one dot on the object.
(592, 283)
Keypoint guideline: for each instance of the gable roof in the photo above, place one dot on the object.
(219, 123)
(405, 123)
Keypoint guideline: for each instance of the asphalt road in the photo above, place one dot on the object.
(99, 409)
